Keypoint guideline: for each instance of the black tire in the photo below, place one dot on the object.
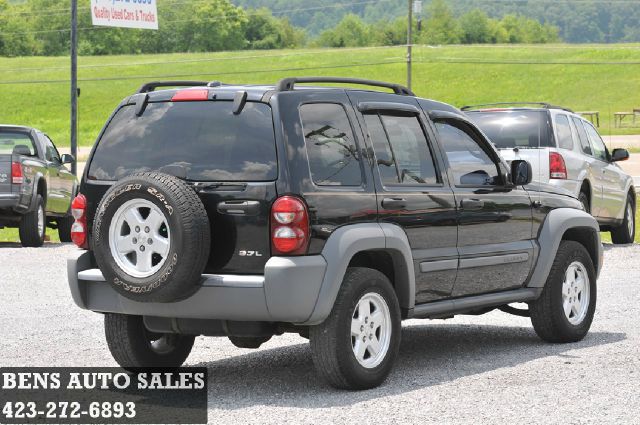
(30, 235)
(64, 228)
(584, 200)
(331, 341)
(179, 271)
(547, 313)
(252, 342)
(625, 234)
(134, 347)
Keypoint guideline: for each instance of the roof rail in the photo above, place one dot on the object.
(288, 84)
(149, 87)
(540, 104)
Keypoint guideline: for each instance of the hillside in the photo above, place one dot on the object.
(35, 91)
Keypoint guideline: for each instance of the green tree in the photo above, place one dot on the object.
(476, 27)
(350, 32)
(263, 31)
(441, 27)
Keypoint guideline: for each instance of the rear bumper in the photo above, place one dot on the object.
(287, 292)
(9, 200)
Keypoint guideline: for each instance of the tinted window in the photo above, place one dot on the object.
(514, 129)
(205, 140)
(9, 140)
(563, 128)
(582, 136)
(598, 146)
(404, 156)
(470, 164)
(51, 153)
(333, 155)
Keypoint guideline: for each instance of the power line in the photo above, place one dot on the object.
(216, 75)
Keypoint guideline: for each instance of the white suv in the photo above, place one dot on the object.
(567, 154)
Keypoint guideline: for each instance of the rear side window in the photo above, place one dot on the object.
(401, 148)
(331, 147)
(563, 130)
(515, 129)
(205, 141)
(9, 140)
(582, 136)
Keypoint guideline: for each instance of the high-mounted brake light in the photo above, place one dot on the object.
(16, 173)
(557, 166)
(289, 226)
(190, 95)
(79, 227)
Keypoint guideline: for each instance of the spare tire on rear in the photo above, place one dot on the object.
(151, 238)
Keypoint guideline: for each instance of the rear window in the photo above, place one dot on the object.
(9, 140)
(205, 141)
(514, 129)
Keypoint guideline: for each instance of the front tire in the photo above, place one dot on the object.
(33, 226)
(356, 346)
(566, 307)
(626, 232)
(134, 347)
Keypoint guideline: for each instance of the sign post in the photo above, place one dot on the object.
(74, 85)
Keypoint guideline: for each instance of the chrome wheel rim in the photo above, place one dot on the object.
(630, 221)
(371, 330)
(576, 293)
(41, 221)
(139, 238)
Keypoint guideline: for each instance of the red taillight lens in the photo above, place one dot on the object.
(557, 167)
(190, 95)
(79, 227)
(16, 173)
(289, 226)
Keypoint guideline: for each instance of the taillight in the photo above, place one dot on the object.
(16, 173)
(190, 95)
(557, 167)
(289, 226)
(79, 227)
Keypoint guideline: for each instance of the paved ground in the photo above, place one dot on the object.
(489, 369)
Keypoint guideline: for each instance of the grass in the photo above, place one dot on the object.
(11, 235)
(459, 75)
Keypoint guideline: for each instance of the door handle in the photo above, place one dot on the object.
(394, 203)
(472, 204)
(239, 207)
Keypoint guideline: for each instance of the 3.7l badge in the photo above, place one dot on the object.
(250, 254)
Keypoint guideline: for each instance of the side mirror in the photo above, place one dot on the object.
(619, 155)
(521, 173)
(67, 159)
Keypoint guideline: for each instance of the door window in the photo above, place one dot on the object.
(469, 162)
(597, 145)
(51, 153)
(402, 151)
(563, 130)
(331, 147)
(582, 136)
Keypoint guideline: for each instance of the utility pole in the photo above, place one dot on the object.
(74, 85)
(409, 43)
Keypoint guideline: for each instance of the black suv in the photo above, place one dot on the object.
(332, 212)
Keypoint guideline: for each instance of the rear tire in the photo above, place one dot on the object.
(364, 318)
(571, 286)
(626, 232)
(134, 347)
(33, 226)
(64, 228)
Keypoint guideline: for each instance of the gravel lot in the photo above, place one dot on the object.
(488, 369)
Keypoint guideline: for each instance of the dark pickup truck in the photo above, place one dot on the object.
(36, 189)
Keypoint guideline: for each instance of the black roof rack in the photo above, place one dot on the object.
(149, 87)
(540, 104)
(288, 84)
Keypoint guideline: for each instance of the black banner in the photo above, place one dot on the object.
(102, 395)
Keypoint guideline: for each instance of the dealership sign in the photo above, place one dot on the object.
(125, 13)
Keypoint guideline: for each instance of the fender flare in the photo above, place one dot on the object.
(34, 192)
(553, 231)
(346, 242)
